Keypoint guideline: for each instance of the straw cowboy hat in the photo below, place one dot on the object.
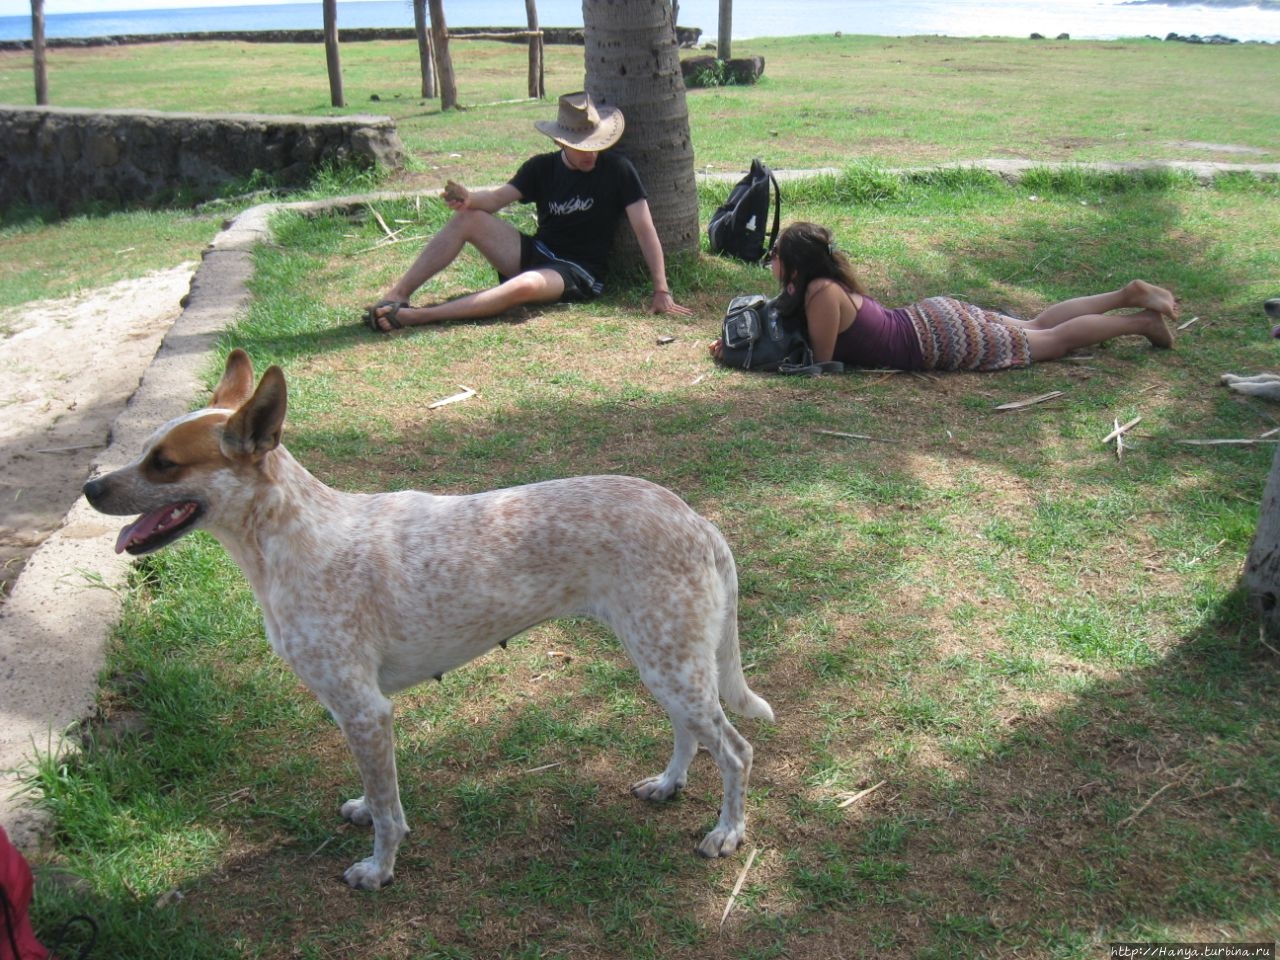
(582, 125)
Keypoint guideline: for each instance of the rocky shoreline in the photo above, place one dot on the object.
(686, 36)
(1215, 39)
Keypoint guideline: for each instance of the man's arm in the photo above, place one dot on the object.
(458, 197)
(641, 220)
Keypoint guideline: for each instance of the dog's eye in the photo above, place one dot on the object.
(162, 464)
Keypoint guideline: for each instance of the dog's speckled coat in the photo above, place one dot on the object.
(367, 594)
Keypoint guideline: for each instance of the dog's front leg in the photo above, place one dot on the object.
(371, 738)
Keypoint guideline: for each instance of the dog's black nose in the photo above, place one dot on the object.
(93, 489)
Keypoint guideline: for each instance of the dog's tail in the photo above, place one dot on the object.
(733, 685)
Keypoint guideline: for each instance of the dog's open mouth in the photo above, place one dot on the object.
(158, 528)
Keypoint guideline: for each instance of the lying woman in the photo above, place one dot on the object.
(822, 295)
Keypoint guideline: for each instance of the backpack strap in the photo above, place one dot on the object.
(815, 369)
(777, 212)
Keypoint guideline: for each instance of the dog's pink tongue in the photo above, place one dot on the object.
(141, 529)
(1275, 331)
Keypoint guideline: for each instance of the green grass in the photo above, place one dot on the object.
(41, 260)
(823, 101)
(1022, 637)
(1037, 649)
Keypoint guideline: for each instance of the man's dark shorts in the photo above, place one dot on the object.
(579, 284)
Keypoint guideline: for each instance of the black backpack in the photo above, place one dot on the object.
(753, 338)
(738, 226)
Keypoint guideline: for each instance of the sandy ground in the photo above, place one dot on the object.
(67, 369)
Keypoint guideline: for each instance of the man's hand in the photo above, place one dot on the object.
(664, 303)
(455, 195)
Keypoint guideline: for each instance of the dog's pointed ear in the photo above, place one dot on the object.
(236, 385)
(255, 428)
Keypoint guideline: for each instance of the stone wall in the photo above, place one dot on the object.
(68, 160)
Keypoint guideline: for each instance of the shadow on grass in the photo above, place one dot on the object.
(1144, 804)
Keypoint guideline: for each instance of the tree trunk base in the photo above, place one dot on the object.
(1261, 579)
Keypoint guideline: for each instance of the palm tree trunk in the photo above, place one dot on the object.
(426, 58)
(37, 50)
(331, 57)
(633, 63)
(444, 63)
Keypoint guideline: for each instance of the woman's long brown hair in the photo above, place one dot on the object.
(808, 252)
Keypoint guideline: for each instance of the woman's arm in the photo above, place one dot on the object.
(823, 303)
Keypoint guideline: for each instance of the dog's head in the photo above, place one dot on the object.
(200, 467)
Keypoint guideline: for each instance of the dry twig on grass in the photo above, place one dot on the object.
(737, 887)
(1150, 800)
(466, 394)
(1030, 401)
(545, 766)
(849, 799)
(391, 241)
(1245, 442)
(1222, 789)
(1262, 639)
(1118, 434)
(1121, 430)
(856, 436)
(382, 223)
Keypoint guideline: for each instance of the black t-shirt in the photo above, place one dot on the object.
(578, 212)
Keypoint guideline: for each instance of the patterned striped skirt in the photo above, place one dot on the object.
(955, 335)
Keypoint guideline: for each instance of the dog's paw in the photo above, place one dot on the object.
(1227, 379)
(366, 875)
(358, 812)
(721, 842)
(657, 788)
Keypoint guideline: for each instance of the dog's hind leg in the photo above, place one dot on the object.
(697, 718)
(371, 738)
(673, 779)
(732, 754)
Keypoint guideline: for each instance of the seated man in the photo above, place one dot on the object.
(580, 191)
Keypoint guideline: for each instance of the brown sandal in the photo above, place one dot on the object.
(371, 315)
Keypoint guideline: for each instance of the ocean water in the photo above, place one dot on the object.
(1082, 19)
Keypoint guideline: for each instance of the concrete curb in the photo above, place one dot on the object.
(64, 606)
(66, 603)
(62, 610)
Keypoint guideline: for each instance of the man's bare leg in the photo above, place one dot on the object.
(532, 286)
(496, 239)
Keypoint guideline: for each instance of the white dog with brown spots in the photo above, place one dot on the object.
(455, 577)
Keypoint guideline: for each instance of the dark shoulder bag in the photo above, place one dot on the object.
(753, 337)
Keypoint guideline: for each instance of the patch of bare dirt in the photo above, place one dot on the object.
(67, 369)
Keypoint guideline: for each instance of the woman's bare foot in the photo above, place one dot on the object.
(1139, 293)
(1155, 329)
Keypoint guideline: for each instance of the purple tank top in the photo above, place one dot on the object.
(880, 337)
